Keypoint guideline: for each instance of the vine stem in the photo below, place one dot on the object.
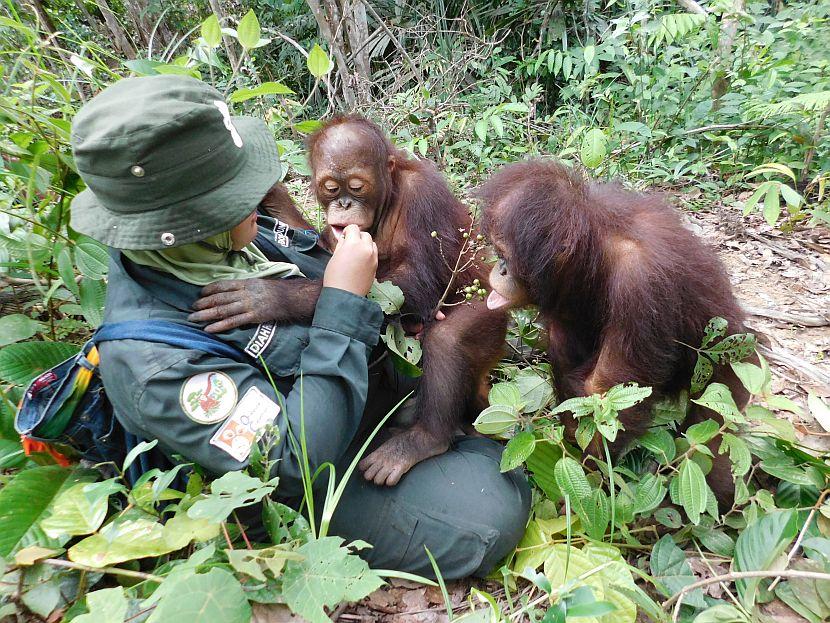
(128, 573)
(677, 598)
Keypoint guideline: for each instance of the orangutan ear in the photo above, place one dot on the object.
(390, 163)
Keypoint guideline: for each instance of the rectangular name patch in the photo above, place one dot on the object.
(281, 234)
(252, 414)
(261, 339)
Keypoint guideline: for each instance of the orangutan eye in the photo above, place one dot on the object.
(330, 187)
(356, 185)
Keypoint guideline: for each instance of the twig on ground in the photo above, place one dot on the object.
(818, 320)
(801, 534)
(790, 360)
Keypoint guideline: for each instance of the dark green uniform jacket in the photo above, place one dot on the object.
(204, 408)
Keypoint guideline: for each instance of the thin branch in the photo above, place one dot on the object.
(416, 70)
(801, 534)
(127, 573)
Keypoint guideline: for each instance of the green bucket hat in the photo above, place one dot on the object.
(165, 164)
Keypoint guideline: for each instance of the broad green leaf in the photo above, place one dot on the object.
(506, 394)
(661, 443)
(93, 295)
(77, 511)
(132, 455)
(266, 88)
(723, 613)
(211, 31)
(248, 30)
(594, 148)
(753, 377)
(496, 420)
(579, 406)
(649, 493)
(328, 575)
(318, 62)
(809, 597)
(535, 388)
(203, 598)
(143, 66)
(772, 205)
(66, 270)
(17, 327)
(701, 374)
(734, 347)
(718, 398)
(571, 479)
(517, 451)
(541, 464)
(231, 491)
(585, 431)
(669, 567)
(702, 432)
(792, 198)
(758, 546)
(588, 53)
(716, 541)
(692, 490)
(480, 129)
(308, 126)
(596, 514)
(92, 258)
(20, 363)
(626, 395)
(387, 295)
(739, 453)
(401, 345)
(108, 605)
(27, 499)
(669, 517)
(498, 125)
(715, 328)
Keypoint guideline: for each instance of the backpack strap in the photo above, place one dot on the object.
(167, 332)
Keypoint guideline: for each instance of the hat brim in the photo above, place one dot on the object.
(212, 212)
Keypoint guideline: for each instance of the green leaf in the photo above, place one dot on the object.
(535, 388)
(692, 490)
(211, 31)
(808, 596)
(661, 443)
(702, 432)
(328, 575)
(496, 419)
(668, 517)
(92, 258)
(66, 270)
(266, 88)
(17, 327)
(387, 295)
(571, 479)
(27, 499)
(203, 598)
(716, 541)
(141, 447)
(753, 377)
(594, 148)
(626, 395)
(143, 66)
(20, 363)
(819, 410)
(718, 398)
(93, 295)
(108, 605)
(506, 394)
(498, 125)
(723, 613)
(772, 205)
(792, 198)
(588, 53)
(248, 31)
(318, 62)
(517, 451)
(77, 511)
(649, 493)
(734, 347)
(541, 464)
(231, 491)
(701, 374)
(406, 351)
(759, 546)
(672, 572)
(715, 328)
(481, 129)
(308, 126)
(579, 406)
(739, 453)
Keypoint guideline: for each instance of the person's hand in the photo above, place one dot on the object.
(236, 302)
(353, 264)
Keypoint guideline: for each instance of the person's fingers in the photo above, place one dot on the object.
(218, 312)
(227, 285)
(231, 323)
(366, 237)
(352, 232)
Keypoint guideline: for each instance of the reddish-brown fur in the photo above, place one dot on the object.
(620, 282)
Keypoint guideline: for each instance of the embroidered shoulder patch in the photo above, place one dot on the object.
(261, 339)
(253, 413)
(208, 397)
(281, 234)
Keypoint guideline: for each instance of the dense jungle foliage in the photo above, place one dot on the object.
(727, 98)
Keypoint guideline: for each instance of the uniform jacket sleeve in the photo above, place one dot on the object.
(327, 397)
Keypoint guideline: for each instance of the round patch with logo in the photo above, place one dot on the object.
(208, 397)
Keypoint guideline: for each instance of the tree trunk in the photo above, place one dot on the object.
(119, 37)
(726, 41)
(91, 21)
(216, 7)
(327, 21)
(357, 28)
(42, 16)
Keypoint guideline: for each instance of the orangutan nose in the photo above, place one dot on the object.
(345, 202)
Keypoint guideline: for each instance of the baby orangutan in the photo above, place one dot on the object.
(621, 286)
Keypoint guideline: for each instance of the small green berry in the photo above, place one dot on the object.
(468, 289)
(482, 292)
(479, 237)
(468, 296)
(465, 235)
(476, 282)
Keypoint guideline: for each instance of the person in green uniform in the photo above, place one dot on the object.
(173, 186)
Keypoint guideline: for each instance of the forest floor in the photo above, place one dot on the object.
(783, 282)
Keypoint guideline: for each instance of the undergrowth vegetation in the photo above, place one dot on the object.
(727, 98)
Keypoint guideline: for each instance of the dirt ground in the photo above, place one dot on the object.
(783, 282)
